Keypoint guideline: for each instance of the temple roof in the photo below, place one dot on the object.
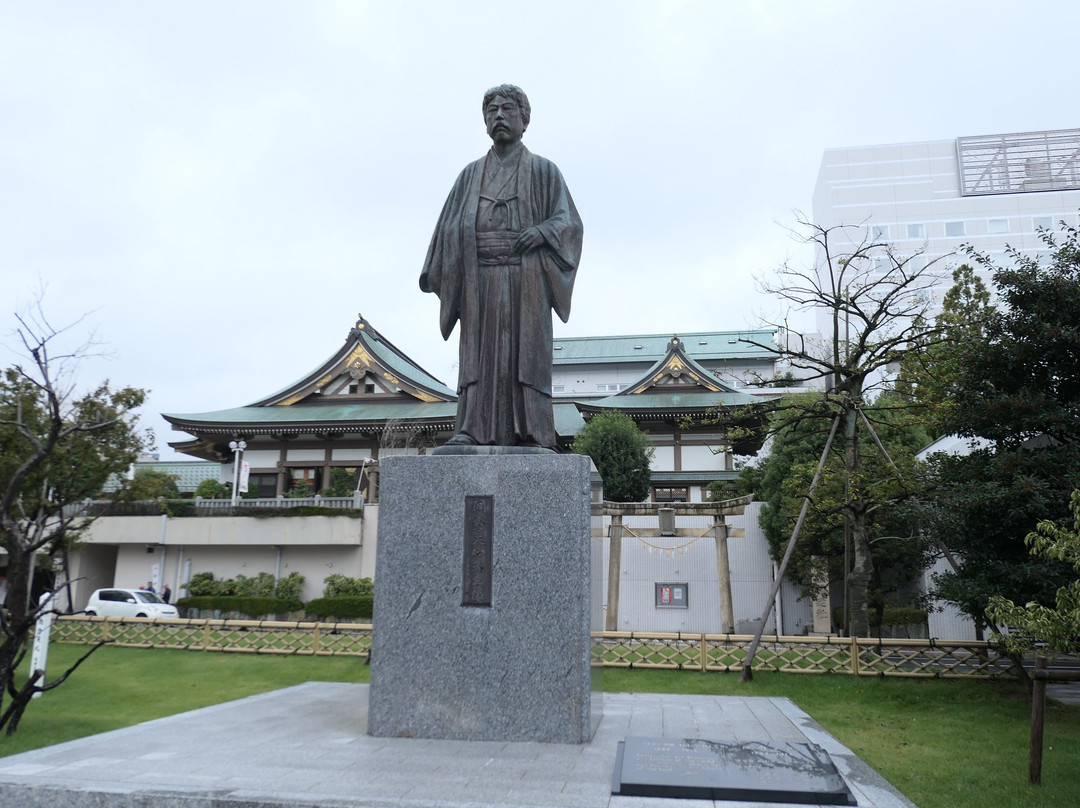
(701, 345)
(676, 373)
(679, 387)
(368, 383)
(365, 353)
(312, 418)
(365, 384)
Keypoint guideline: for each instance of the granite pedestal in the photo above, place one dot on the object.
(482, 622)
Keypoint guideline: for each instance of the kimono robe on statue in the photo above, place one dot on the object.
(503, 300)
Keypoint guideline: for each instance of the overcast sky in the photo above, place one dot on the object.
(223, 186)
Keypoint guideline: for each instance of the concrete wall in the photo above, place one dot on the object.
(91, 568)
(945, 621)
(236, 530)
(129, 551)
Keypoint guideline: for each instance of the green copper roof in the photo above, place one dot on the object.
(364, 336)
(654, 400)
(568, 420)
(311, 416)
(649, 348)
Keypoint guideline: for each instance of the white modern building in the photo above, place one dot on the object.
(987, 191)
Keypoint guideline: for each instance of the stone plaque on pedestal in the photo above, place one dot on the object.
(482, 599)
(692, 768)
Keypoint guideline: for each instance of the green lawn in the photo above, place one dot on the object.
(945, 744)
(118, 687)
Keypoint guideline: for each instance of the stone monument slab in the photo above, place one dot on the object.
(691, 768)
(482, 599)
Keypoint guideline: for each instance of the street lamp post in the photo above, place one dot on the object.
(237, 447)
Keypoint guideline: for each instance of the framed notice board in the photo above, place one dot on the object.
(672, 596)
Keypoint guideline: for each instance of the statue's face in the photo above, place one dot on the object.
(503, 118)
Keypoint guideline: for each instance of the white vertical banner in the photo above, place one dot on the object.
(42, 629)
(245, 472)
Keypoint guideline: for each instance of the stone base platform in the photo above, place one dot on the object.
(307, 747)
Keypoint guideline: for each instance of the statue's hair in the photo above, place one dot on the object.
(511, 91)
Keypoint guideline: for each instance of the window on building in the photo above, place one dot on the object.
(354, 388)
(678, 493)
(263, 484)
(954, 229)
(879, 232)
(1042, 222)
(309, 476)
(996, 227)
(610, 388)
(558, 388)
(916, 231)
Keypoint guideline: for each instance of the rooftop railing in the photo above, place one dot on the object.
(210, 507)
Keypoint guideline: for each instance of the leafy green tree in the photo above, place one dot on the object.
(261, 585)
(1016, 395)
(621, 452)
(289, 586)
(153, 484)
(1050, 631)
(782, 479)
(57, 448)
(342, 483)
(211, 489)
(928, 378)
(300, 489)
(203, 583)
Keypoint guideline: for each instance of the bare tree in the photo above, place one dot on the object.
(57, 447)
(398, 434)
(877, 304)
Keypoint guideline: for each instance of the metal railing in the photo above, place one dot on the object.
(208, 507)
(355, 501)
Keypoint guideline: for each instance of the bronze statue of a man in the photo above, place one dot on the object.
(504, 253)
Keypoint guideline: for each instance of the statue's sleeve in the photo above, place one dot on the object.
(563, 232)
(443, 271)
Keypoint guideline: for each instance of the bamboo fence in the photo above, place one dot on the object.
(617, 649)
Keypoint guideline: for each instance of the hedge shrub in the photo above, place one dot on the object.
(903, 616)
(336, 586)
(252, 606)
(343, 607)
(261, 585)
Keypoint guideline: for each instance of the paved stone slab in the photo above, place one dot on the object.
(308, 746)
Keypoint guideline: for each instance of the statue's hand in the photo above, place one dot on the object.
(530, 239)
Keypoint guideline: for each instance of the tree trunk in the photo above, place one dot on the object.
(15, 625)
(862, 566)
(862, 573)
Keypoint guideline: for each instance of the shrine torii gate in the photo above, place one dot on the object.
(665, 514)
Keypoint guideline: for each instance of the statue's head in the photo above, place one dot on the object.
(516, 93)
